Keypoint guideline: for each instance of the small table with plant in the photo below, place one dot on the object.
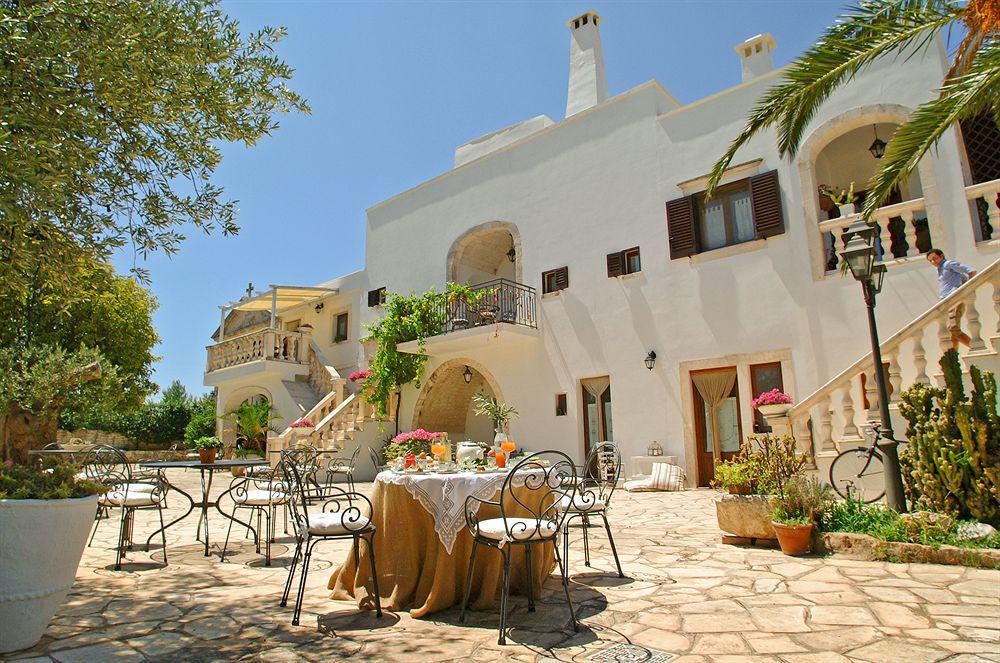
(207, 471)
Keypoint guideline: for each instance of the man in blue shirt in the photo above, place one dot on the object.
(951, 275)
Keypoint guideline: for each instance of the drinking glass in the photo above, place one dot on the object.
(437, 448)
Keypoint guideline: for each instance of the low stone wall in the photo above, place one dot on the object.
(118, 440)
(863, 546)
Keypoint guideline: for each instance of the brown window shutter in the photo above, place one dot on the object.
(562, 278)
(681, 227)
(765, 204)
(616, 263)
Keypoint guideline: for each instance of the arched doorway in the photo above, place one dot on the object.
(486, 252)
(226, 428)
(445, 402)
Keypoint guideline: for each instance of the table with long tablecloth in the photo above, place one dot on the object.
(423, 547)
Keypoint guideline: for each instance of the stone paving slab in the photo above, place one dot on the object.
(687, 595)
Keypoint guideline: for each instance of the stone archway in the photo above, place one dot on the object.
(480, 254)
(445, 401)
(825, 134)
(228, 402)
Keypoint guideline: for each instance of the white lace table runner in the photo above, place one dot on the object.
(444, 495)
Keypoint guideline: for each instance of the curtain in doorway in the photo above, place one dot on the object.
(714, 388)
(596, 386)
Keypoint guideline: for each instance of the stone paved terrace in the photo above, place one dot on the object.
(689, 595)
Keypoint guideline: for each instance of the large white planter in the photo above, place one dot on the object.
(41, 543)
(775, 409)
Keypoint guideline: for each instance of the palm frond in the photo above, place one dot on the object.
(872, 30)
(976, 91)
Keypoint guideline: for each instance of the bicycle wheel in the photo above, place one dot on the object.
(858, 474)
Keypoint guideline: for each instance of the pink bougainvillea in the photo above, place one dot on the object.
(302, 423)
(359, 375)
(773, 397)
(419, 434)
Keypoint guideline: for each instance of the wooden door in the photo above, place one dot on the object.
(597, 422)
(730, 430)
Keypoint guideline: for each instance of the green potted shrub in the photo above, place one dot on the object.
(207, 447)
(734, 476)
(797, 510)
(45, 517)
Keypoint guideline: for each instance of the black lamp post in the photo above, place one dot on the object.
(859, 254)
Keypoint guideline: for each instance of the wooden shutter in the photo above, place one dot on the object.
(682, 228)
(375, 297)
(616, 263)
(562, 278)
(765, 204)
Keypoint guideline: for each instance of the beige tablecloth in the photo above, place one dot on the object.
(416, 573)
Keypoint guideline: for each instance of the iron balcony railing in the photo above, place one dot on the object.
(497, 301)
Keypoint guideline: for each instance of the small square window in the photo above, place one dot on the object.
(555, 280)
(560, 405)
(376, 297)
(340, 327)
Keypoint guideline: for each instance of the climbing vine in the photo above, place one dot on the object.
(413, 317)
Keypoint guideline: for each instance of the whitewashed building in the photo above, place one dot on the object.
(602, 250)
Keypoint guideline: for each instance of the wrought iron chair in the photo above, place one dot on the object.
(536, 485)
(261, 494)
(109, 466)
(343, 515)
(599, 477)
(377, 461)
(342, 465)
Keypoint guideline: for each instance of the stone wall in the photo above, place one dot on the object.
(107, 437)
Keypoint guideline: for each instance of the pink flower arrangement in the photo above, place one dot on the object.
(359, 375)
(420, 434)
(301, 423)
(773, 397)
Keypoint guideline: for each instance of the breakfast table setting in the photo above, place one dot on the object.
(423, 545)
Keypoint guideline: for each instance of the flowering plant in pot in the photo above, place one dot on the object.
(359, 375)
(772, 402)
(45, 517)
(797, 510)
(207, 447)
(738, 477)
(411, 442)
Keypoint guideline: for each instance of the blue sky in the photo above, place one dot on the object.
(394, 88)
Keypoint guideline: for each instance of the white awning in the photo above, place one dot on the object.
(280, 298)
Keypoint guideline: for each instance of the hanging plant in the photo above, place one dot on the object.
(407, 318)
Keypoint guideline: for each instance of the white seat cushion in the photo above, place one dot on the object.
(260, 497)
(334, 523)
(129, 498)
(141, 487)
(521, 529)
(340, 469)
(588, 502)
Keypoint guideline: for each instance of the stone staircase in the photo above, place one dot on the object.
(302, 393)
(832, 418)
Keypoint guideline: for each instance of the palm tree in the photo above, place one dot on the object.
(872, 30)
(253, 421)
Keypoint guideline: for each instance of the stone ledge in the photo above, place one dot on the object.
(863, 546)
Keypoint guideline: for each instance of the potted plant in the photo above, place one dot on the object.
(45, 517)
(797, 511)
(734, 476)
(208, 447)
(766, 463)
(253, 422)
(500, 413)
(772, 402)
(844, 200)
(242, 453)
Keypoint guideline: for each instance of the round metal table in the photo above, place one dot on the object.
(207, 470)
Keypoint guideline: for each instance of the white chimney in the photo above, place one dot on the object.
(587, 83)
(755, 54)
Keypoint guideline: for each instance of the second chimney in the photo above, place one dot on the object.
(755, 54)
(587, 83)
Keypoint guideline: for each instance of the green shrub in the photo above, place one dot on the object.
(952, 462)
(203, 419)
(886, 524)
(767, 462)
(803, 502)
(19, 482)
(734, 474)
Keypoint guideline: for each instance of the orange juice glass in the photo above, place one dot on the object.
(501, 460)
(508, 446)
(438, 450)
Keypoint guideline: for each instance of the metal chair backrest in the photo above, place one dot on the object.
(533, 490)
(376, 459)
(107, 465)
(601, 473)
(355, 508)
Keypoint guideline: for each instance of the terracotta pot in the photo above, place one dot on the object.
(794, 539)
(207, 455)
(238, 471)
(739, 490)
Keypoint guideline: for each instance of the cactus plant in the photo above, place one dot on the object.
(952, 461)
